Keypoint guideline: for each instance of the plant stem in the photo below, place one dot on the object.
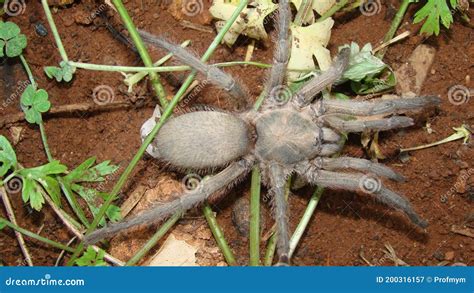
(54, 30)
(114, 68)
(11, 217)
(270, 252)
(308, 213)
(36, 236)
(218, 235)
(304, 9)
(254, 237)
(137, 40)
(397, 20)
(153, 240)
(166, 114)
(28, 71)
(333, 10)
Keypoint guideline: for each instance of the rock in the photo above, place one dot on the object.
(241, 216)
(438, 255)
(449, 255)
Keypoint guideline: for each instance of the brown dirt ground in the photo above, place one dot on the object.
(345, 225)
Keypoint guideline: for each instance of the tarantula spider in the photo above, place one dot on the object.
(284, 137)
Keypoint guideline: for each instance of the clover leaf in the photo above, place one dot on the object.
(34, 102)
(91, 258)
(63, 73)
(7, 156)
(12, 42)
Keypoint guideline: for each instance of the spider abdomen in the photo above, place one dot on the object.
(202, 140)
(286, 137)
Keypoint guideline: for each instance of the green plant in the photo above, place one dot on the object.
(65, 72)
(433, 13)
(92, 258)
(34, 102)
(12, 42)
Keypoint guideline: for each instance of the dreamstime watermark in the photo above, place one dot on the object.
(180, 109)
(370, 184)
(459, 94)
(371, 7)
(20, 88)
(96, 13)
(191, 183)
(461, 181)
(103, 94)
(281, 95)
(192, 7)
(47, 280)
(14, 185)
(14, 7)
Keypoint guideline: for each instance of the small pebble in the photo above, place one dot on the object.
(449, 255)
(438, 255)
(41, 30)
(404, 157)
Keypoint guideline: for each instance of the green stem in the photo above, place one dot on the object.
(54, 30)
(166, 114)
(254, 237)
(36, 236)
(333, 10)
(114, 68)
(137, 40)
(397, 20)
(308, 213)
(218, 235)
(270, 252)
(153, 240)
(45, 142)
(28, 71)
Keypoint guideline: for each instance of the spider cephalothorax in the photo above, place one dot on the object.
(291, 135)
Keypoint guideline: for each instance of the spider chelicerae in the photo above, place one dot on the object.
(291, 133)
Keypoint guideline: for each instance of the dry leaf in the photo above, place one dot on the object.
(173, 253)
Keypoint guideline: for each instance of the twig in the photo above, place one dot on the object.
(83, 107)
(11, 217)
(397, 20)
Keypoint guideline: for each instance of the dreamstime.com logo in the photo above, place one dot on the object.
(193, 7)
(45, 281)
(459, 95)
(14, 7)
(103, 94)
(371, 7)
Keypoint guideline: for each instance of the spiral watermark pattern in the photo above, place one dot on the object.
(14, 185)
(281, 95)
(371, 7)
(193, 7)
(103, 94)
(370, 184)
(191, 182)
(14, 7)
(459, 95)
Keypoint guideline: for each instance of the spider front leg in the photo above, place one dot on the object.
(277, 184)
(359, 182)
(281, 57)
(212, 73)
(373, 125)
(307, 93)
(207, 187)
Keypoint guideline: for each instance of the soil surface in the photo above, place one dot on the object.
(346, 228)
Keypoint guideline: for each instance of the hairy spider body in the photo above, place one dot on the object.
(299, 135)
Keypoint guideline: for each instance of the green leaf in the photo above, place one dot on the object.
(34, 178)
(91, 258)
(34, 102)
(362, 63)
(63, 73)
(434, 12)
(8, 158)
(12, 41)
(372, 85)
(114, 213)
(3, 223)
